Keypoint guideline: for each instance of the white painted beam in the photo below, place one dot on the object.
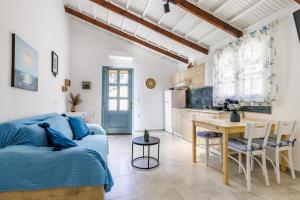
(180, 22)
(79, 6)
(123, 24)
(247, 10)
(94, 10)
(128, 4)
(207, 35)
(123, 20)
(198, 2)
(136, 29)
(148, 37)
(222, 6)
(161, 19)
(194, 29)
(108, 17)
(146, 8)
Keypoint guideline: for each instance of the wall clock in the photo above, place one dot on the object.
(150, 83)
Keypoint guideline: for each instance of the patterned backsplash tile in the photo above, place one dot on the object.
(201, 98)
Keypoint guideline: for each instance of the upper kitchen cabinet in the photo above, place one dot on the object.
(194, 77)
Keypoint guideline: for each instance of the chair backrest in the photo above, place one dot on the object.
(89, 116)
(257, 130)
(285, 128)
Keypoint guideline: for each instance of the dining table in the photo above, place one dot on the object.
(227, 129)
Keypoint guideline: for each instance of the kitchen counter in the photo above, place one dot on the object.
(182, 119)
(202, 110)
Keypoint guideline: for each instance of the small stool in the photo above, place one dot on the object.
(210, 135)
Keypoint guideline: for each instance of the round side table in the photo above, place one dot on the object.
(141, 142)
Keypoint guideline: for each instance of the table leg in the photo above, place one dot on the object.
(283, 163)
(132, 154)
(194, 149)
(148, 156)
(143, 152)
(225, 157)
(158, 154)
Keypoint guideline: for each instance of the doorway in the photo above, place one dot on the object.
(117, 100)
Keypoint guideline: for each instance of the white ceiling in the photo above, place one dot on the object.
(238, 13)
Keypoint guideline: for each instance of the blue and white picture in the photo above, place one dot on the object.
(24, 65)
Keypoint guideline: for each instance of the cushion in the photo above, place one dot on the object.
(79, 128)
(33, 135)
(210, 134)
(95, 129)
(241, 144)
(60, 124)
(272, 142)
(57, 139)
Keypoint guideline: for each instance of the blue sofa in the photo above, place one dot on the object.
(28, 163)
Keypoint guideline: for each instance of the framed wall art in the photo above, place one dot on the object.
(24, 65)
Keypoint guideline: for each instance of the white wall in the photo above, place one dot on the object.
(89, 50)
(287, 106)
(43, 25)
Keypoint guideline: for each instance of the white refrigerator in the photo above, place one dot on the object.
(173, 99)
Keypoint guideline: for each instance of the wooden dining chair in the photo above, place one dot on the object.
(208, 135)
(283, 141)
(252, 148)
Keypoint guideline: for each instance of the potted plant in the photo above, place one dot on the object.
(234, 116)
(146, 135)
(74, 101)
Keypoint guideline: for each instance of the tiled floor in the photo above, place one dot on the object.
(177, 178)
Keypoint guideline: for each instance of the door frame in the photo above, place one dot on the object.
(105, 96)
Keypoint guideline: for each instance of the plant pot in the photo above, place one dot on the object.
(235, 116)
(73, 109)
(146, 137)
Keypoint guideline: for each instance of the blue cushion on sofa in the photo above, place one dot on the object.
(60, 124)
(32, 135)
(57, 139)
(79, 128)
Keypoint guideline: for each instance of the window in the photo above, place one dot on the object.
(244, 69)
(118, 90)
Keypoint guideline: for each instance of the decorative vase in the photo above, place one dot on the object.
(73, 109)
(235, 116)
(146, 136)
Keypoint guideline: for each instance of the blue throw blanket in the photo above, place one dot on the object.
(25, 167)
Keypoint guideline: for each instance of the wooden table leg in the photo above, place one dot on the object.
(194, 149)
(225, 157)
(283, 162)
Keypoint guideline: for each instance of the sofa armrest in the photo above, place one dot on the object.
(96, 129)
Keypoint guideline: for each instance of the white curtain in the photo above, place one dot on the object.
(245, 69)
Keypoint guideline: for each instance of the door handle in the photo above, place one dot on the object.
(130, 105)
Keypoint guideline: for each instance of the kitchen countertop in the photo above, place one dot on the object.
(203, 110)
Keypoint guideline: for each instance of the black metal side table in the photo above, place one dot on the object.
(141, 142)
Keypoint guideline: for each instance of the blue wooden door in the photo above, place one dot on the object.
(117, 100)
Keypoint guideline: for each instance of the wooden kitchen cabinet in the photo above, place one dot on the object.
(182, 120)
(195, 76)
(176, 121)
(198, 80)
(175, 79)
(186, 124)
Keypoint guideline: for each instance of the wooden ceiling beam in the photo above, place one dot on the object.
(150, 25)
(195, 10)
(123, 34)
